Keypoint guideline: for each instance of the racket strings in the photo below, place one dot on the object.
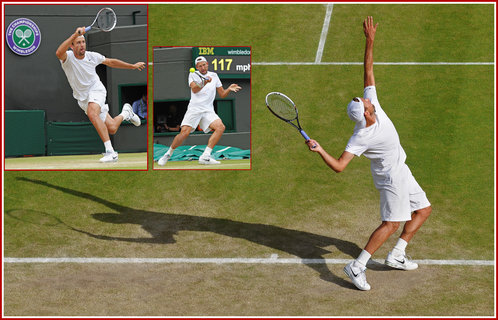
(106, 20)
(282, 107)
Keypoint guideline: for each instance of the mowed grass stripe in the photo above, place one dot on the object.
(427, 32)
(272, 260)
(133, 161)
(244, 164)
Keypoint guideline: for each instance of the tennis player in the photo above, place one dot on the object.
(200, 112)
(79, 67)
(401, 197)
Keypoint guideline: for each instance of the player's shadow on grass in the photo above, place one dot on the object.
(163, 226)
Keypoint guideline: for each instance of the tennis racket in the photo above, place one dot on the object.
(284, 108)
(104, 21)
(202, 80)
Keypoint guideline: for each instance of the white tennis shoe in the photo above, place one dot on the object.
(357, 275)
(163, 159)
(130, 115)
(400, 261)
(109, 157)
(209, 160)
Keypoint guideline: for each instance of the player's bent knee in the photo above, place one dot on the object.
(425, 211)
(219, 126)
(112, 130)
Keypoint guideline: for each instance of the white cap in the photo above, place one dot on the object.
(356, 109)
(200, 59)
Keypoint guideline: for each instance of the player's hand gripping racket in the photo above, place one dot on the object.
(284, 108)
(202, 80)
(104, 21)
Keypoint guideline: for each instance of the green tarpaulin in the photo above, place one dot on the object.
(186, 153)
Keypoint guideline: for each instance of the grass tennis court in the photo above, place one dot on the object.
(126, 161)
(290, 205)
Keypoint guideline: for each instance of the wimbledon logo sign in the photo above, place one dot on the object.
(23, 36)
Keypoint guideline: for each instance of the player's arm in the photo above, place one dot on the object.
(224, 92)
(369, 29)
(116, 63)
(61, 52)
(196, 87)
(338, 165)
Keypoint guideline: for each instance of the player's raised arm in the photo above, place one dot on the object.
(61, 52)
(369, 29)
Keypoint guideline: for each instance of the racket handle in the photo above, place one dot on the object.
(304, 135)
(88, 28)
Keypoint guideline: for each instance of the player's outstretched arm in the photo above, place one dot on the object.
(369, 29)
(61, 52)
(338, 165)
(116, 63)
(224, 92)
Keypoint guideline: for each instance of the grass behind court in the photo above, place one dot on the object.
(290, 203)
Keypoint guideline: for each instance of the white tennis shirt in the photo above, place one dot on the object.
(379, 143)
(203, 100)
(81, 74)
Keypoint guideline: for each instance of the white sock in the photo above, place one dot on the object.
(207, 152)
(125, 115)
(400, 246)
(363, 258)
(108, 146)
(170, 151)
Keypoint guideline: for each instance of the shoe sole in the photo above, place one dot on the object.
(397, 266)
(351, 278)
(208, 163)
(113, 160)
(136, 123)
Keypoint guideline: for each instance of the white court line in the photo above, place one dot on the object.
(375, 63)
(325, 30)
(272, 260)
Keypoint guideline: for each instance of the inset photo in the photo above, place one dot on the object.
(202, 108)
(76, 98)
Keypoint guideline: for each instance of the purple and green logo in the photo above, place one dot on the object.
(23, 36)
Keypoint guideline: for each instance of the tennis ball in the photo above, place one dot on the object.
(192, 70)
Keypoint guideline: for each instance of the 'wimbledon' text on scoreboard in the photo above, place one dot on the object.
(227, 62)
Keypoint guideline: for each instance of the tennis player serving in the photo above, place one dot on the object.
(79, 67)
(401, 197)
(200, 111)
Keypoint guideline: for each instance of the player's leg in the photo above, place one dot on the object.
(421, 210)
(218, 128)
(177, 141)
(93, 113)
(127, 114)
(98, 119)
(355, 270)
(113, 124)
(412, 226)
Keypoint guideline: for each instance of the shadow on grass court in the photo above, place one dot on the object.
(163, 226)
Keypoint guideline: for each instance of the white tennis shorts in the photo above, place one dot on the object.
(401, 197)
(97, 95)
(194, 118)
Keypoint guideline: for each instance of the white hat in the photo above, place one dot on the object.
(200, 59)
(356, 109)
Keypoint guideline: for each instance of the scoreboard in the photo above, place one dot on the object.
(227, 62)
